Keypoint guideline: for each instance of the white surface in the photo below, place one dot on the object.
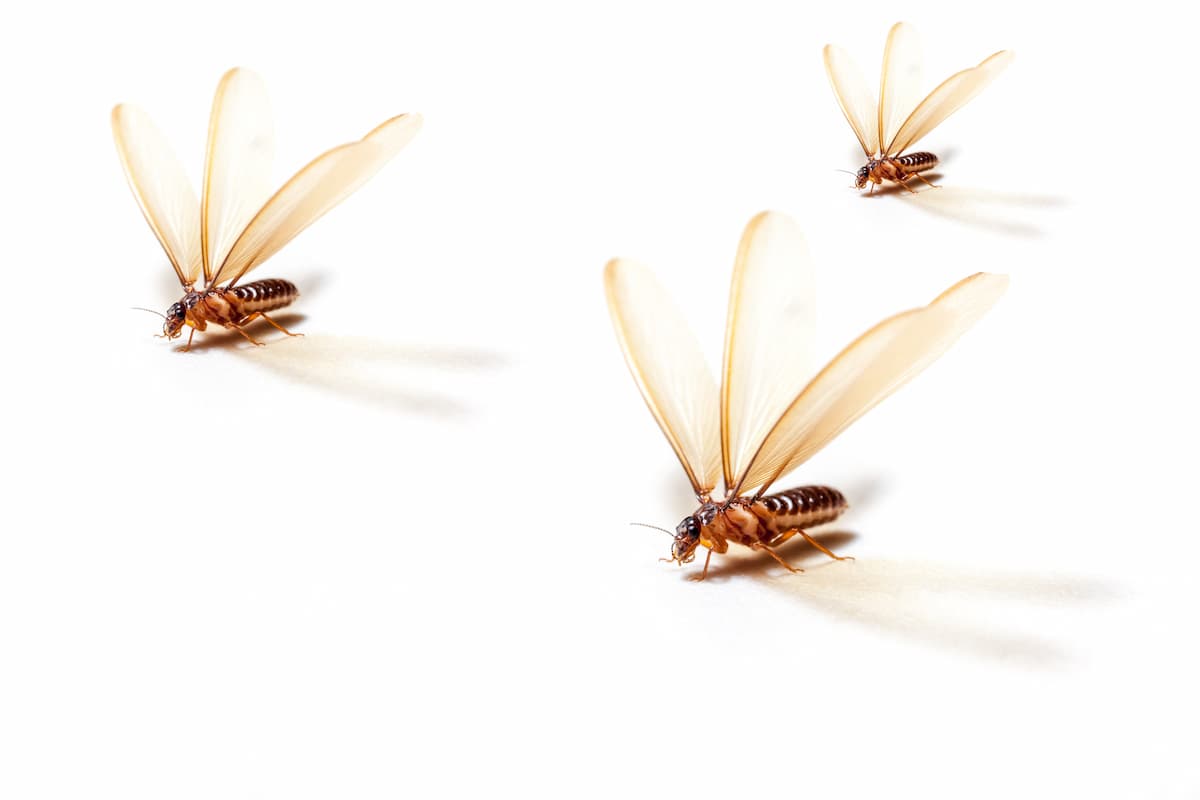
(392, 558)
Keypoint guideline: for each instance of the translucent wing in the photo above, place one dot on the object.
(853, 96)
(669, 368)
(161, 188)
(943, 101)
(326, 181)
(876, 364)
(768, 336)
(237, 167)
(899, 81)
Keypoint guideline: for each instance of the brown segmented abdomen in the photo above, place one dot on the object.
(265, 295)
(804, 507)
(917, 162)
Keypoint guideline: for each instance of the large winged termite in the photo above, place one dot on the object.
(772, 412)
(886, 130)
(238, 224)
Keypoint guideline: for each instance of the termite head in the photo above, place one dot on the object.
(687, 533)
(174, 320)
(687, 539)
(862, 176)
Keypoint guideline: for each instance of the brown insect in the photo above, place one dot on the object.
(885, 131)
(771, 414)
(239, 224)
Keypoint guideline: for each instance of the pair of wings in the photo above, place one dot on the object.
(889, 128)
(239, 224)
(768, 417)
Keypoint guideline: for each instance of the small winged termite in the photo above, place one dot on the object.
(771, 413)
(885, 131)
(238, 224)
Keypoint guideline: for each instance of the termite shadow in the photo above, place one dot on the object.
(938, 605)
(999, 212)
(371, 371)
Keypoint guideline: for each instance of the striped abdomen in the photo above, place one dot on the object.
(917, 162)
(266, 295)
(804, 507)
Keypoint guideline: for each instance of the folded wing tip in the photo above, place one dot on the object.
(773, 223)
(240, 72)
(997, 280)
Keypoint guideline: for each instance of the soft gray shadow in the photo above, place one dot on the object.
(942, 606)
(166, 284)
(995, 211)
(862, 492)
(947, 155)
(311, 284)
(372, 371)
(674, 486)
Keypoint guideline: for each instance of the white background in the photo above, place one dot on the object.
(392, 558)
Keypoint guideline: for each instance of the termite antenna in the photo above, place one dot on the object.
(848, 172)
(152, 311)
(655, 527)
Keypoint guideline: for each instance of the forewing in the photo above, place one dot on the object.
(237, 167)
(768, 336)
(899, 81)
(161, 188)
(853, 97)
(326, 181)
(943, 101)
(666, 361)
(876, 364)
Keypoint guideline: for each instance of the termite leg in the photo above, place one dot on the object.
(783, 537)
(903, 183)
(277, 325)
(704, 574)
(822, 547)
(775, 556)
(188, 346)
(240, 330)
(927, 183)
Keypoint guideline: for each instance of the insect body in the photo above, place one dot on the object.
(232, 308)
(886, 130)
(239, 223)
(897, 170)
(761, 524)
(773, 411)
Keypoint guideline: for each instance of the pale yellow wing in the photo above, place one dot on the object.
(665, 359)
(853, 97)
(876, 364)
(768, 336)
(237, 167)
(162, 189)
(899, 80)
(943, 101)
(326, 181)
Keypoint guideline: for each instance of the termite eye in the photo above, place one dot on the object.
(688, 528)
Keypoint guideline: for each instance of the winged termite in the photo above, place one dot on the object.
(771, 413)
(898, 122)
(238, 224)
